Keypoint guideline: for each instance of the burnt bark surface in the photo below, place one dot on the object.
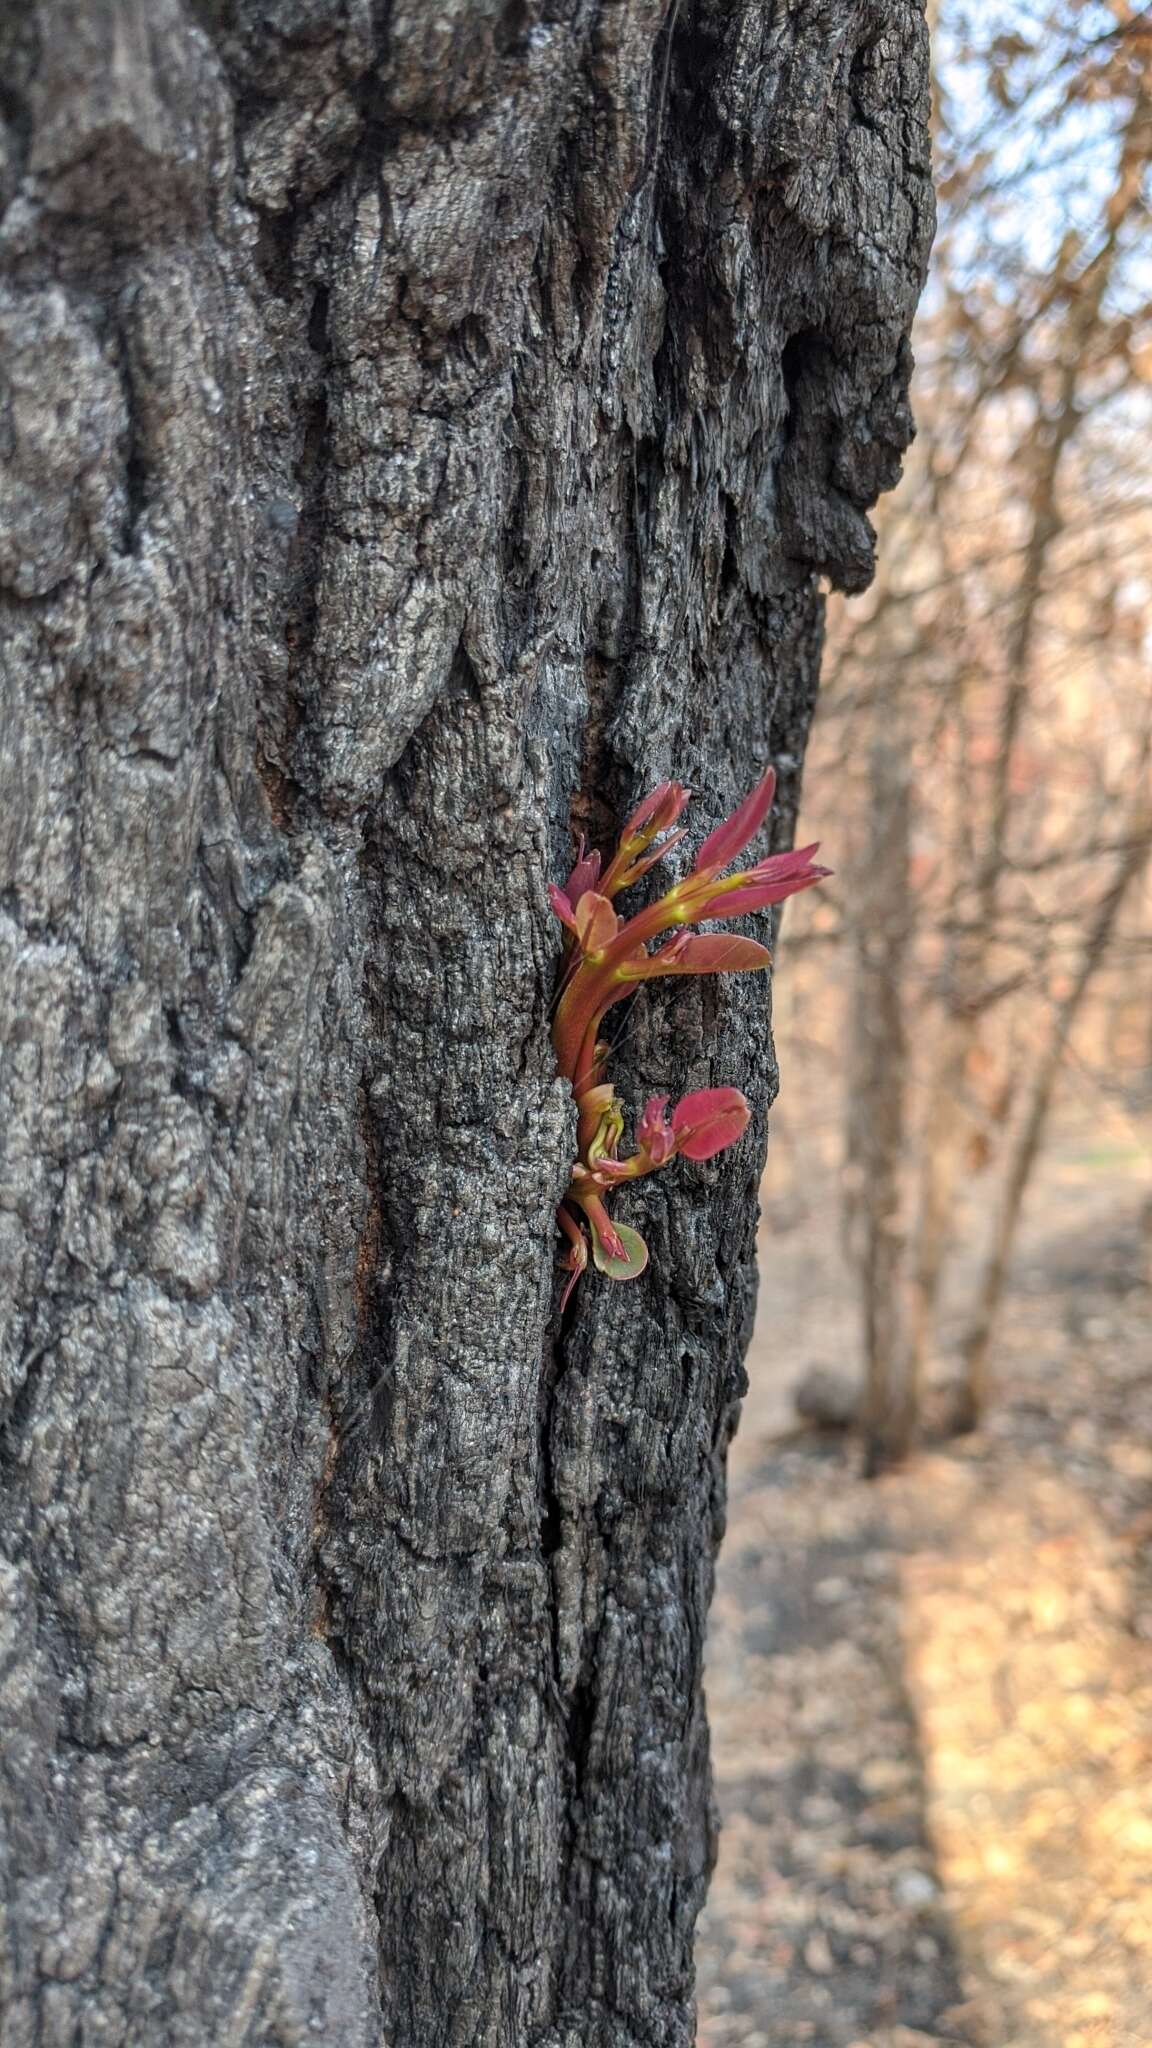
(421, 430)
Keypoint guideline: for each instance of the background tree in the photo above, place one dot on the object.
(876, 1136)
(1008, 624)
(422, 429)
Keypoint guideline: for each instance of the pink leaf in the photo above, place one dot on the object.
(648, 860)
(596, 923)
(585, 874)
(704, 953)
(608, 1171)
(797, 860)
(653, 1133)
(656, 814)
(759, 895)
(708, 1120)
(659, 809)
(733, 835)
(562, 905)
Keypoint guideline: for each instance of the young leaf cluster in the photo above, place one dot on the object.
(607, 957)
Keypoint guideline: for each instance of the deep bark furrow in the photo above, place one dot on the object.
(424, 428)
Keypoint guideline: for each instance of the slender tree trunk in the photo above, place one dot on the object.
(1029, 1135)
(424, 427)
(890, 1405)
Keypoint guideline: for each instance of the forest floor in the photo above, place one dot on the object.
(931, 1696)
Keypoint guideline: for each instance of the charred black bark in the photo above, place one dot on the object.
(423, 428)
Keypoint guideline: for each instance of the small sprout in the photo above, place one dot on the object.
(606, 957)
(628, 1258)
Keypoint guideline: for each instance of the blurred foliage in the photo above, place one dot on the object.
(987, 714)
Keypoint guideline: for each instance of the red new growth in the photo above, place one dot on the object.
(606, 957)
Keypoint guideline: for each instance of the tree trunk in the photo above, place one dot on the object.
(424, 428)
(881, 921)
(1027, 1139)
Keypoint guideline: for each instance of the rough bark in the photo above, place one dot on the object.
(423, 427)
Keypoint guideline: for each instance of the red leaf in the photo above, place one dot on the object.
(659, 809)
(584, 876)
(708, 1120)
(733, 835)
(705, 953)
(656, 814)
(596, 922)
(653, 1134)
(562, 905)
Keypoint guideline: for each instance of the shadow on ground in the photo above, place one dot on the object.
(931, 1698)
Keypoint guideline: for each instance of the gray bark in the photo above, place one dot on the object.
(423, 427)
